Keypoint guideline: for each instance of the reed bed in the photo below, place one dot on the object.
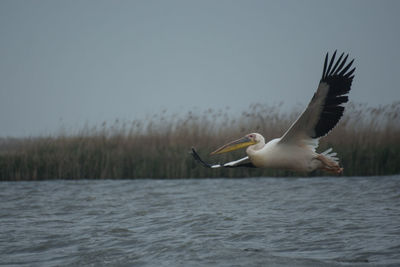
(367, 140)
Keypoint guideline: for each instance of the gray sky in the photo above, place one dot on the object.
(72, 62)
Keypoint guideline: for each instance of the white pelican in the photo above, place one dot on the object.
(295, 150)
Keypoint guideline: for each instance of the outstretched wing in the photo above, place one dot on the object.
(232, 164)
(325, 108)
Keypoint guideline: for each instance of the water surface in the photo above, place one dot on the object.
(325, 221)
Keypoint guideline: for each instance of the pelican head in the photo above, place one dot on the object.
(248, 140)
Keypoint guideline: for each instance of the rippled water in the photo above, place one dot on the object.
(219, 222)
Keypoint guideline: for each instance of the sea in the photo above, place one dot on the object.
(319, 221)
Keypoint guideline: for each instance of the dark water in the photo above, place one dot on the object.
(217, 222)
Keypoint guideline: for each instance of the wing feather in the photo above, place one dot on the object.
(337, 63)
(232, 164)
(325, 108)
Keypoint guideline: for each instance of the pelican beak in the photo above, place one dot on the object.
(237, 144)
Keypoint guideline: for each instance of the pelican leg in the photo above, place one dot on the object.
(329, 165)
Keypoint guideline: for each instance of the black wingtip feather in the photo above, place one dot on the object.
(196, 156)
(331, 62)
(198, 159)
(343, 72)
(339, 80)
(341, 64)
(337, 63)
(325, 63)
(348, 75)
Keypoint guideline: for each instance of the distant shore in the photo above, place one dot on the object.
(367, 140)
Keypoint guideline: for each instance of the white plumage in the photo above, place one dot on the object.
(296, 149)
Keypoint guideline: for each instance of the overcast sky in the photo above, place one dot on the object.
(72, 62)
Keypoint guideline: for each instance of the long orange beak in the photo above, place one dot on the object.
(237, 144)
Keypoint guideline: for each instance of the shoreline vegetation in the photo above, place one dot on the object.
(367, 140)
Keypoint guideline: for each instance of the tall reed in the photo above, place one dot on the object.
(367, 140)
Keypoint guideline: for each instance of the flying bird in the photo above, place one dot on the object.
(296, 149)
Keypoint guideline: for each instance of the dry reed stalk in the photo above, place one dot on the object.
(367, 140)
